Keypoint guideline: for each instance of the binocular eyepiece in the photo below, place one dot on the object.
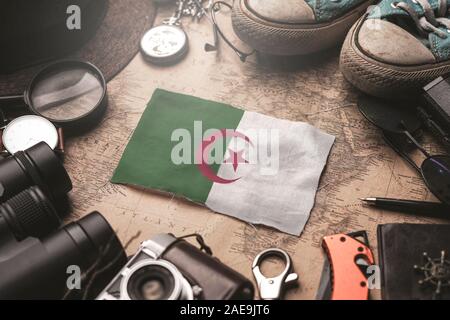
(31, 181)
(37, 166)
(29, 214)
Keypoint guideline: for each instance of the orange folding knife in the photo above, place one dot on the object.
(344, 274)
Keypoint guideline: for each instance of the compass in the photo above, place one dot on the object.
(436, 273)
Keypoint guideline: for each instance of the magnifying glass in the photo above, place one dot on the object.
(72, 94)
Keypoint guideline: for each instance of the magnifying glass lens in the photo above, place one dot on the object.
(67, 93)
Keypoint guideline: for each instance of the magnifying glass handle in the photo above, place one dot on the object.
(12, 102)
(17, 98)
(12, 105)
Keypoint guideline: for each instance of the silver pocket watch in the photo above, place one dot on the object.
(168, 42)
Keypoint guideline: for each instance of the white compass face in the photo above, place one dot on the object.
(163, 41)
(27, 131)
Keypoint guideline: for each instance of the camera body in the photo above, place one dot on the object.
(170, 268)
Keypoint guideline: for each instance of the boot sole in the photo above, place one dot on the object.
(381, 79)
(290, 39)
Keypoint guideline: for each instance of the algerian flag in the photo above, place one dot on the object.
(247, 165)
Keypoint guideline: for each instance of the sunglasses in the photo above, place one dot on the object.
(401, 129)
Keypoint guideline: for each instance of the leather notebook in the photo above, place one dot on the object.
(414, 261)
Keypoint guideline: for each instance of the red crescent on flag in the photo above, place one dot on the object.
(206, 144)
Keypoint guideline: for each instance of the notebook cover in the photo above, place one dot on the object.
(400, 247)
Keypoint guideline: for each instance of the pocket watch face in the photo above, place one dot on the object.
(164, 42)
(27, 131)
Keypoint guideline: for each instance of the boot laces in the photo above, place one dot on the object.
(431, 20)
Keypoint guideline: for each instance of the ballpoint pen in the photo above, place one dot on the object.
(418, 208)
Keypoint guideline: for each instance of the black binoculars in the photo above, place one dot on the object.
(37, 259)
(37, 166)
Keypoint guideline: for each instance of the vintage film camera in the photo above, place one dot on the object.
(170, 268)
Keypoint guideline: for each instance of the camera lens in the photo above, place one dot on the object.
(152, 289)
(155, 280)
(38, 165)
(151, 283)
(29, 214)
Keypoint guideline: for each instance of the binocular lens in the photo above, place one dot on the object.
(38, 165)
(30, 214)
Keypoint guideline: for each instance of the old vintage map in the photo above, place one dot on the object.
(307, 89)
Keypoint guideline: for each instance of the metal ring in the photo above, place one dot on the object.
(277, 252)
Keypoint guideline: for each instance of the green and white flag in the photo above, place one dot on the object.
(243, 164)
